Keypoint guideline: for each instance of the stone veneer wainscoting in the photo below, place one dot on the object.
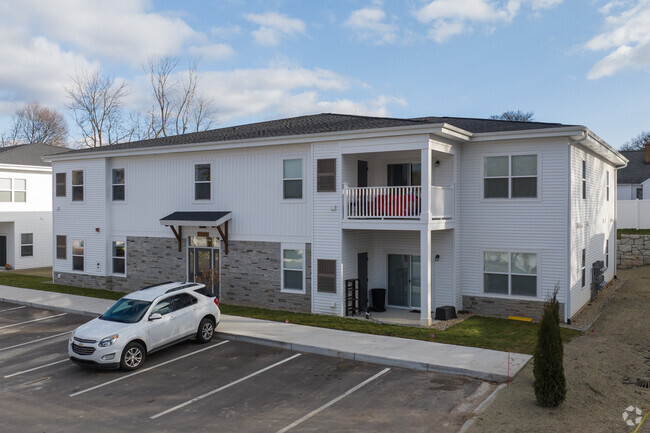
(498, 307)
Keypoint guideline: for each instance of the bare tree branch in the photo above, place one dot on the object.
(35, 123)
(514, 116)
(638, 143)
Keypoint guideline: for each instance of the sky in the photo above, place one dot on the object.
(581, 62)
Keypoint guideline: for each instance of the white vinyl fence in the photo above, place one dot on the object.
(633, 214)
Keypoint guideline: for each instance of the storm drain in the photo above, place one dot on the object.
(643, 383)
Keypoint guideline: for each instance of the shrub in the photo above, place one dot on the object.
(550, 383)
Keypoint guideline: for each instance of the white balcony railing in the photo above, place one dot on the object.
(396, 202)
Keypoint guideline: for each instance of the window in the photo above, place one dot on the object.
(584, 180)
(20, 190)
(510, 176)
(61, 247)
(119, 257)
(118, 184)
(292, 270)
(183, 300)
(77, 255)
(26, 245)
(404, 174)
(326, 175)
(326, 276)
(292, 179)
(582, 265)
(77, 185)
(5, 190)
(607, 253)
(510, 273)
(163, 307)
(639, 193)
(60, 184)
(202, 182)
(607, 173)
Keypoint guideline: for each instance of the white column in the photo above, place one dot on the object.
(425, 277)
(425, 196)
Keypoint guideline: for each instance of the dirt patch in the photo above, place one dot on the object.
(444, 324)
(587, 316)
(601, 367)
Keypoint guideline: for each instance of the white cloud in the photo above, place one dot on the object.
(448, 18)
(626, 36)
(212, 52)
(369, 24)
(226, 31)
(273, 26)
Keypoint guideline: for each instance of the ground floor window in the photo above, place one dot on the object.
(510, 273)
(61, 247)
(326, 276)
(77, 255)
(293, 266)
(26, 244)
(119, 257)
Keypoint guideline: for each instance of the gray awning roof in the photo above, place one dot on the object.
(196, 218)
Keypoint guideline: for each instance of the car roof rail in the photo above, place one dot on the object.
(184, 286)
(155, 285)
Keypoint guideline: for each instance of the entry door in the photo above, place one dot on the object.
(3, 250)
(362, 174)
(204, 268)
(404, 280)
(362, 274)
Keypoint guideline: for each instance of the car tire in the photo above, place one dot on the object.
(133, 356)
(206, 331)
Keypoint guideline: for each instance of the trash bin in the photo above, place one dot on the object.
(378, 299)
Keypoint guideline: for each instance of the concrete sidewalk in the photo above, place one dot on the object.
(392, 351)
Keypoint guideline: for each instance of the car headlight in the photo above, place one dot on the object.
(108, 341)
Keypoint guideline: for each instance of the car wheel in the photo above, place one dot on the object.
(206, 331)
(132, 357)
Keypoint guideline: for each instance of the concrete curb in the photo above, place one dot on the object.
(50, 307)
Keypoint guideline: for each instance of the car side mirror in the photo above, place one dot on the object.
(155, 316)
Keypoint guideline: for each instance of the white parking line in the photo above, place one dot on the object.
(35, 368)
(35, 320)
(14, 308)
(207, 394)
(337, 399)
(146, 369)
(34, 341)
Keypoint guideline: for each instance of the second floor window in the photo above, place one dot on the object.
(77, 185)
(512, 176)
(202, 182)
(292, 178)
(118, 184)
(16, 194)
(20, 190)
(60, 184)
(5, 190)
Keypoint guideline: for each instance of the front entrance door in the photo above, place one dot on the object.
(362, 274)
(404, 280)
(3, 250)
(204, 267)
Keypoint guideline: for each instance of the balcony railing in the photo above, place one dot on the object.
(396, 202)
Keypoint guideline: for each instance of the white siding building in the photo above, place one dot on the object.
(477, 214)
(26, 206)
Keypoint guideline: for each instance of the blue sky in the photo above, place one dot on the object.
(576, 62)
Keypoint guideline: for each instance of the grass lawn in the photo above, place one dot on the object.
(620, 232)
(477, 331)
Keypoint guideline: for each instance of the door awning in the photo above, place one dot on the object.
(218, 219)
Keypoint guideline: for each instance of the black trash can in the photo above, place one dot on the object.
(378, 299)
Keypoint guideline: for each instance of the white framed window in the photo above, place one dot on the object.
(60, 184)
(583, 266)
(118, 253)
(117, 181)
(292, 179)
(78, 255)
(607, 253)
(510, 273)
(202, 182)
(510, 176)
(26, 244)
(293, 268)
(20, 190)
(584, 180)
(5, 190)
(77, 185)
(607, 173)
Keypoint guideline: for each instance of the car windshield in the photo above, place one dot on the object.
(126, 311)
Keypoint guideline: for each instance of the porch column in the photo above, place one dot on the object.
(425, 276)
(425, 196)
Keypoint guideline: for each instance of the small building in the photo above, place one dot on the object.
(26, 205)
(478, 214)
(634, 180)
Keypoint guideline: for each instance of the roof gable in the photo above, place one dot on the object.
(29, 154)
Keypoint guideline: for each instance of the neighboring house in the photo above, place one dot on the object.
(26, 205)
(484, 215)
(634, 180)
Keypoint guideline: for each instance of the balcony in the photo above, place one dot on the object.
(396, 203)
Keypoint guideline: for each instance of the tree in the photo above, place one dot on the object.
(35, 123)
(178, 108)
(550, 383)
(97, 102)
(638, 143)
(514, 116)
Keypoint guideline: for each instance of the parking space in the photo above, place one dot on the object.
(221, 386)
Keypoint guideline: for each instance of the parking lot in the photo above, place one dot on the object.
(225, 386)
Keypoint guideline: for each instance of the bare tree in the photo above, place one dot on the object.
(515, 116)
(35, 123)
(638, 143)
(178, 108)
(97, 102)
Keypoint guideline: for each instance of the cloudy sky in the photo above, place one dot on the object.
(579, 61)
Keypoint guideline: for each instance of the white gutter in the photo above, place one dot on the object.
(20, 167)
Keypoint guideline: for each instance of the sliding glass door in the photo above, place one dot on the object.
(403, 280)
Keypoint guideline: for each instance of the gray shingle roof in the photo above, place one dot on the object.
(636, 171)
(29, 154)
(321, 123)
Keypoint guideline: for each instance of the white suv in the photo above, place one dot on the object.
(145, 321)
